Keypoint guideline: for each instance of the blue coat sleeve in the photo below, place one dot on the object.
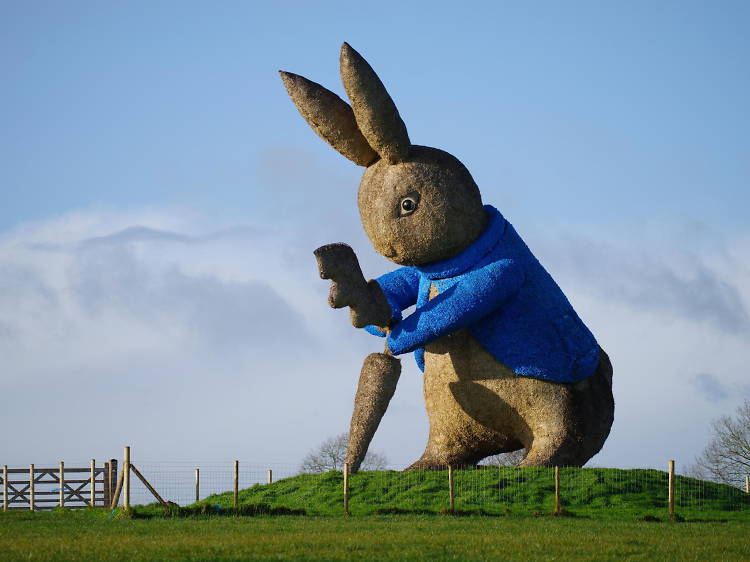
(475, 295)
(400, 288)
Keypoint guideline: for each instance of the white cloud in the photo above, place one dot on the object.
(189, 338)
(711, 387)
(117, 313)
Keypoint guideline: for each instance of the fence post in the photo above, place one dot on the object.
(5, 487)
(107, 483)
(346, 488)
(112, 479)
(197, 484)
(236, 483)
(62, 484)
(31, 487)
(270, 476)
(747, 484)
(558, 505)
(93, 483)
(118, 491)
(451, 491)
(126, 478)
(670, 504)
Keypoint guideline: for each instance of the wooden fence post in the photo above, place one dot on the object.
(670, 502)
(31, 487)
(558, 505)
(236, 483)
(118, 490)
(346, 488)
(112, 479)
(108, 488)
(747, 484)
(61, 481)
(126, 478)
(197, 484)
(270, 476)
(92, 479)
(5, 487)
(451, 491)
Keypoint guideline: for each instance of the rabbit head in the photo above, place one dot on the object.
(418, 205)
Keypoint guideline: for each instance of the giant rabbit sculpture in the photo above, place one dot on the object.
(507, 362)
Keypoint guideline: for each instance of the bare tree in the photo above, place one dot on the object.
(726, 458)
(506, 459)
(331, 454)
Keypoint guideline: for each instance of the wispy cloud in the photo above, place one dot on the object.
(169, 316)
(710, 387)
(643, 273)
(160, 310)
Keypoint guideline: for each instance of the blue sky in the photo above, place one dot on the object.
(633, 110)
(158, 188)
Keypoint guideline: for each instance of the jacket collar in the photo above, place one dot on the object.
(471, 254)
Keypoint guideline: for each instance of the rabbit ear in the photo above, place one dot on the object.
(330, 117)
(377, 116)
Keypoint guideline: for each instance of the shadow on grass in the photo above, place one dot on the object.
(203, 510)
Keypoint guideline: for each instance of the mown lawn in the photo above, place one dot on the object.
(93, 535)
(600, 493)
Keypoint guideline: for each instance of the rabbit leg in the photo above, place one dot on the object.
(436, 458)
(575, 421)
(556, 430)
(468, 406)
(555, 449)
(426, 462)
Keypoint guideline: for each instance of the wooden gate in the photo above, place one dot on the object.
(34, 488)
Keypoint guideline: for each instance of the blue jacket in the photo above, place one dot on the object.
(499, 291)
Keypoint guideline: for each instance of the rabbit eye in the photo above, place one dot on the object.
(408, 205)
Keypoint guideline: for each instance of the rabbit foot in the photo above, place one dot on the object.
(427, 463)
(559, 449)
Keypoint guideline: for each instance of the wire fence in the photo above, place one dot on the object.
(590, 492)
(593, 492)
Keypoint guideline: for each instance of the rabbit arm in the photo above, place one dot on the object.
(400, 288)
(366, 301)
(474, 296)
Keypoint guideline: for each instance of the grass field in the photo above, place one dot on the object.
(92, 535)
(610, 511)
(601, 493)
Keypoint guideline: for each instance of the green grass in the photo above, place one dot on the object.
(300, 518)
(92, 535)
(602, 493)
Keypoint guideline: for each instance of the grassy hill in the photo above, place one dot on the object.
(603, 493)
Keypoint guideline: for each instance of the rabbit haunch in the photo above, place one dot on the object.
(507, 361)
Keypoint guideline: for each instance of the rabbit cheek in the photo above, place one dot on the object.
(377, 213)
(380, 230)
